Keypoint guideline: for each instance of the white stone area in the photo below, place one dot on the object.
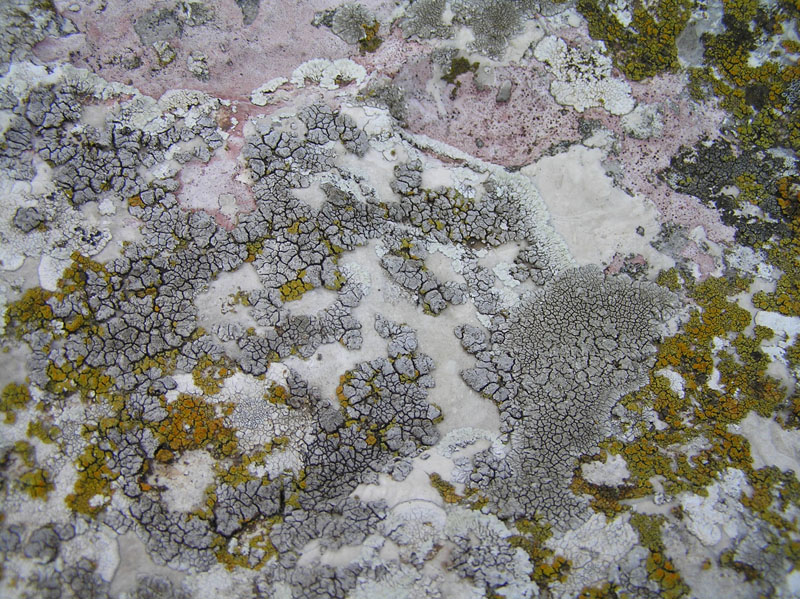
(715, 516)
(770, 444)
(613, 471)
(596, 218)
(185, 480)
(593, 548)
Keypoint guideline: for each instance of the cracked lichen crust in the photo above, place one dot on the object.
(299, 346)
(123, 336)
(556, 368)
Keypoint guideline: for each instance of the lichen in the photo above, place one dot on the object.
(14, 397)
(646, 46)
(228, 446)
(92, 491)
(192, 423)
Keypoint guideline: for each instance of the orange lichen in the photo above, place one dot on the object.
(89, 382)
(191, 423)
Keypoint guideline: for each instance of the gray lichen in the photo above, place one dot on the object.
(424, 19)
(557, 366)
(493, 22)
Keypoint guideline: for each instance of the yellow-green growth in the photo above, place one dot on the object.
(92, 490)
(775, 495)
(29, 478)
(29, 313)
(343, 380)
(444, 488)
(607, 590)
(646, 46)
(531, 539)
(690, 352)
(662, 570)
(165, 362)
(296, 227)
(135, 202)
(549, 572)
(74, 277)
(786, 297)
(240, 298)
(459, 66)
(254, 248)
(605, 499)
(239, 557)
(14, 397)
(36, 483)
(669, 279)
(278, 394)
(210, 375)
(26, 453)
(294, 289)
(90, 382)
(371, 41)
(239, 472)
(659, 567)
(45, 433)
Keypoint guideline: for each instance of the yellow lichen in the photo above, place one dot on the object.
(88, 381)
(646, 46)
(278, 394)
(43, 432)
(557, 570)
(294, 289)
(29, 313)
(92, 490)
(531, 538)
(605, 499)
(444, 488)
(14, 397)
(209, 375)
(239, 556)
(605, 591)
(36, 483)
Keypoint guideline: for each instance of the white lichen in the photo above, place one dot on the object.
(583, 78)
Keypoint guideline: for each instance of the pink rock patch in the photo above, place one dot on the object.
(216, 189)
(510, 133)
(239, 57)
